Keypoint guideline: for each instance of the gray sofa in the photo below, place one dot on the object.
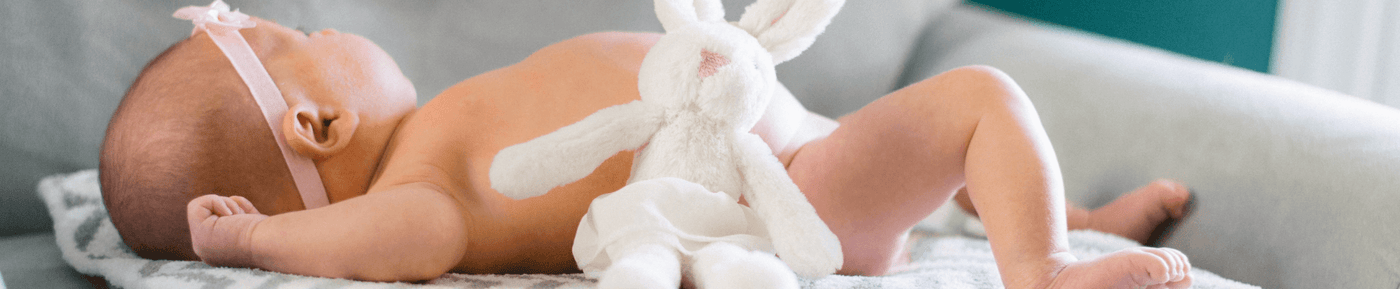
(1296, 186)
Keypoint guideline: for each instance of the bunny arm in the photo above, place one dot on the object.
(802, 240)
(561, 157)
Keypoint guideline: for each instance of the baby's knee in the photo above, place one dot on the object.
(977, 72)
(972, 77)
(974, 86)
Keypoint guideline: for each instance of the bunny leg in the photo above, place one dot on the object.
(725, 265)
(648, 265)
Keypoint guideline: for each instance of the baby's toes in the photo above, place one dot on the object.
(1184, 283)
(1174, 196)
(1176, 266)
(1183, 265)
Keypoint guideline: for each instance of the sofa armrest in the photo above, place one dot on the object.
(1296, 186)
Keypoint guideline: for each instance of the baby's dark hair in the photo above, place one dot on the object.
(188, 126)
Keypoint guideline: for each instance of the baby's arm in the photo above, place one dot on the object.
(410, 232)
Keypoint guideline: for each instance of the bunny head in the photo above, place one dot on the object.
(723, 71)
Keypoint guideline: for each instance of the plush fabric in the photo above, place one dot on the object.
(686, 214)
(90, 244)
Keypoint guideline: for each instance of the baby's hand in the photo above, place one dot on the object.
(221, 229)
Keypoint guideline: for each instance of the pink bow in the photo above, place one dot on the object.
(216, 13)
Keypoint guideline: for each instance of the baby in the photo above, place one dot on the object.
(410, 198)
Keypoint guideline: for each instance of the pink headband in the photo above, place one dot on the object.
(222, 26)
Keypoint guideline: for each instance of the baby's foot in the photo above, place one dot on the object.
(1141, 267)
(1139, 214)
(221, 229)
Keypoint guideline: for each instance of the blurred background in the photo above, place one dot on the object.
(1351, 46)
(1234, 32)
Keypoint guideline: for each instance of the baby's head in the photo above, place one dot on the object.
(189, 126)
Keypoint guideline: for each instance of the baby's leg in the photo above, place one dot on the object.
(405, 234)
(893, 162)
(1139, 215)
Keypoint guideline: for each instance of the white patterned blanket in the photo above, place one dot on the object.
(91, 245)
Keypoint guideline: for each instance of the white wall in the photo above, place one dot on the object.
(1352, 46)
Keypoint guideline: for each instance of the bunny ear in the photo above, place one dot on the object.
(787, 27)
(675, 14)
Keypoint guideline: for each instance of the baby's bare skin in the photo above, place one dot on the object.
(429, 208)
(557, 86)
(554, 87)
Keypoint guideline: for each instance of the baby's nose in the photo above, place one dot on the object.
(327, 32)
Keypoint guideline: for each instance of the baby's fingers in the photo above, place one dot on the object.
(220, 205)
(246, 205)
(233, 207)
(202, 208)
(214, 204)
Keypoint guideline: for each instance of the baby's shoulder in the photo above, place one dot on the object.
(579, 75)
(623, 50)
(628, 43)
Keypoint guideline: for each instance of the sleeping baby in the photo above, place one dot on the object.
(249, 144)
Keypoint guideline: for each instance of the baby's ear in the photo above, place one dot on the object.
(318, 133)
(787, 27)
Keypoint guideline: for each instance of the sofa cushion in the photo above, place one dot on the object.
(34, 261)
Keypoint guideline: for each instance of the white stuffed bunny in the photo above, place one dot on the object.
(703, 86)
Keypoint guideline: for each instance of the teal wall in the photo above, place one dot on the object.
(1235, 32)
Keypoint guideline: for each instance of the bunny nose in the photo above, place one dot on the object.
(710, 63)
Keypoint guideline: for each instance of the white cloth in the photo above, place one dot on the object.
(671, 211)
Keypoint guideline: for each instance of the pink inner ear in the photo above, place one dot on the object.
(711, 63)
